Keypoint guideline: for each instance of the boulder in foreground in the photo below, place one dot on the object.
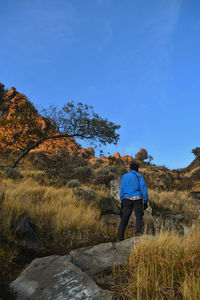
(54, 277)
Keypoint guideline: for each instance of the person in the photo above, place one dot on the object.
(133, 196)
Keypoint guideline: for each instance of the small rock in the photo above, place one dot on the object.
(186, 229)
(117, 155)
(111, 220)
(26, 233)
(195, 195)
(178, 218)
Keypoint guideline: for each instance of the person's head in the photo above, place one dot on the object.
(134, 166)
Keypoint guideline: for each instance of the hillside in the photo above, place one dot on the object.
(13, 107)
(61, 197)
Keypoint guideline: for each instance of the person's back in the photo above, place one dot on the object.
(133, 192)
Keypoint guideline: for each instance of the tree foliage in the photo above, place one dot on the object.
(70, 121)
(81, 121)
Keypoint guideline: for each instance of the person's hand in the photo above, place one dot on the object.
(145, 205)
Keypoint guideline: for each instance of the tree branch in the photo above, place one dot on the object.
(40, 141)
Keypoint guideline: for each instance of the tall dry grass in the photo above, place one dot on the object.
(167, 267)
(176, 201)
(53, 210)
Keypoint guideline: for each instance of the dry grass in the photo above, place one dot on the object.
(189, 174)
(176, 201)
(165, 268)
(196, 186)
(53, 210)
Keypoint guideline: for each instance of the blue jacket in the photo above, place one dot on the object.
(133, 184)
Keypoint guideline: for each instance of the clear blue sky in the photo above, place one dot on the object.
(136, 61)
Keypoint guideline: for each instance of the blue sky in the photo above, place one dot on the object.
(136, 61)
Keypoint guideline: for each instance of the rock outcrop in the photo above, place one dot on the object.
(19, 116)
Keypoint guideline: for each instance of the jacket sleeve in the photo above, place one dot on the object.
(121, 190)
(143, 188)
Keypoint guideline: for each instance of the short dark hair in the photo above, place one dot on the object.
(134, 166)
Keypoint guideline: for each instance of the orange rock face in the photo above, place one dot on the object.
(13, 106)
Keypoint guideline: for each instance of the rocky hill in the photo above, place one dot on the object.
(13, 108)
(63, 197)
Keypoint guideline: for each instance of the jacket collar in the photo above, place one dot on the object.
(133, 171)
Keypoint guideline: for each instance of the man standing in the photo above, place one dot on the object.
(133, 196)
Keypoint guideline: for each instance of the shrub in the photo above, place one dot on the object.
(85, 194)
(83, 173)
(104, 178)
(61, 168)
(73, 183)
(108, 173)
(12, 173)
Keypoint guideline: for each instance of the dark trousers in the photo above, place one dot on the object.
(128, 207)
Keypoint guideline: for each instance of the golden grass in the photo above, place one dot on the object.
(196, 186)
(53, 210)
(165, 268)
(176, 201)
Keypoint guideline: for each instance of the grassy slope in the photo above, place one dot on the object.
(153, 269)
(53, 210)
(165, 268)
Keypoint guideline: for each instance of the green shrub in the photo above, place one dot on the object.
(85, 194)
(108, 173)
(61, 168)
(82, 173)
(73, 183)
(12, 173)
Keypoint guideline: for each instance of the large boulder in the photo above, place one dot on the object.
(115, 189)
(101, 258)
(69, 277)
(109, 206)
(54, 277)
